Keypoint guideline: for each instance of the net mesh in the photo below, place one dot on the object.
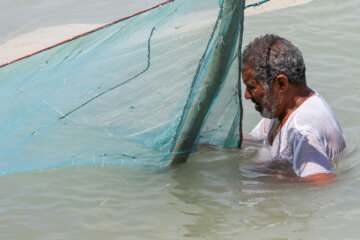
(120, 94)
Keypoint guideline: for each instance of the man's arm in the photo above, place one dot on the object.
(319, 179)
(310, 160)
(281, 171)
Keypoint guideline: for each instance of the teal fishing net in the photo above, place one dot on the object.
(124, 93)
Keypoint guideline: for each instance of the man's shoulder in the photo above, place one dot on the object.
(314, 111)
(315, 119)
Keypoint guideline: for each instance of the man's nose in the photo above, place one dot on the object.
(247, 94)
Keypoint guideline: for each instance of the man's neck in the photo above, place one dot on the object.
(295, 96)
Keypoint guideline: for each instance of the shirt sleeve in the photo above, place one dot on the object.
(261, 130)
(309, 154)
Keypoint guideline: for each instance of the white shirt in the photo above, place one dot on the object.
(309, 139)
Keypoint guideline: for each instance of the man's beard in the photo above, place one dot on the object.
(269, 97)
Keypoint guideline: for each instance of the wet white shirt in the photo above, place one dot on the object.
(309, 139)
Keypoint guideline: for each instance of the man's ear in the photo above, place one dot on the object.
(282, 82)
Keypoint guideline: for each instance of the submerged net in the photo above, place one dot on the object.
(127, 92)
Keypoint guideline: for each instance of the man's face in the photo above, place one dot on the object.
(265, 100)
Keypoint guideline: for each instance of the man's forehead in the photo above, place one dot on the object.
(248, 74)
(249, 79)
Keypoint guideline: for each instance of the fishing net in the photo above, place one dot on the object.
(142, 90)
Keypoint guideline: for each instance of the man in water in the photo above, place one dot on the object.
(297, 123)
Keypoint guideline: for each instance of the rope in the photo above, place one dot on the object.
(107, 25)
(257, 3)
(118, 85)
(91, 31)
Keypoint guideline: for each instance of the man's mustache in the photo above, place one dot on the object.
(254, 101)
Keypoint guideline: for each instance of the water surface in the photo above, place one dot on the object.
(214, 195)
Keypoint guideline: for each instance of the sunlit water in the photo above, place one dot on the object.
(214, 195)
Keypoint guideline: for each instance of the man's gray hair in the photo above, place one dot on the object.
(271, 55)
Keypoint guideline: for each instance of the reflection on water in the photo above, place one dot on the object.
(216, 195)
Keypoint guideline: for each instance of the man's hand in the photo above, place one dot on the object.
(281, 171)
(319, 179)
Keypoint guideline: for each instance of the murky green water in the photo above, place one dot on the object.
(213, 196)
